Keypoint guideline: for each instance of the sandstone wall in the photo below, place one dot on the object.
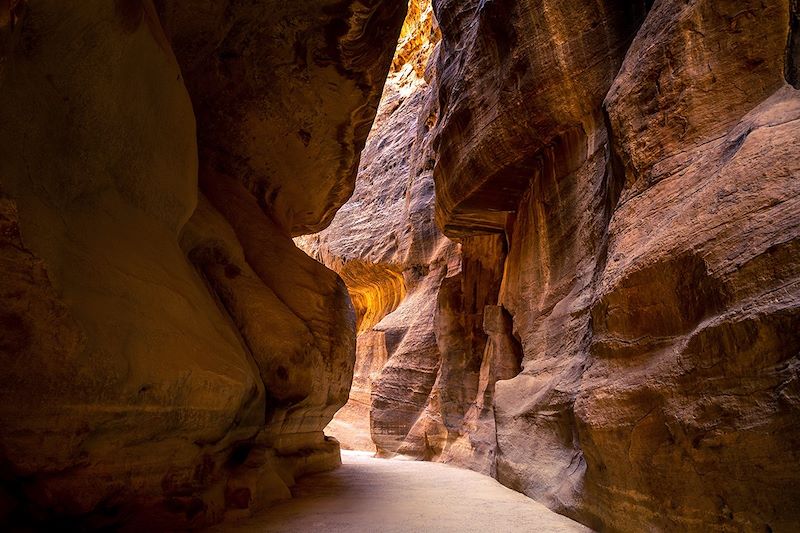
(616, 336)
(420, 388)
(641, 161)
(169, 356)
(598, 305)
(385, 245)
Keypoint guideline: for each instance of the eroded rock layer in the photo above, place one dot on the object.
(616, 336)
(612, 330)
(642, 161)
(285, 93)
(169, 357)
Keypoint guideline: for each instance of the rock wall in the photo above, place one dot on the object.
(618, 338)
(616, 335)
(641, 161)
(598, 305)
(385, 245)
(420, 388)
(169, 356)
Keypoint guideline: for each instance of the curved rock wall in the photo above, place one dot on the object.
(286, 93)
(616, 335)
(170, 357)
(385, 245)
(613, 329)
(422, 386)
(642, 163)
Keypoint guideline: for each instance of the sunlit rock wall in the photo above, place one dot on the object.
(422, 386)
(385, 245)
(641, 162)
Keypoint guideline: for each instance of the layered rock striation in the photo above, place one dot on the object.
(616, 336)
(641, 162)
(385, 245)
(169, 356)
(570, 258)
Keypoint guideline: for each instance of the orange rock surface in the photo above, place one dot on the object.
(617, 334)
(642, 162)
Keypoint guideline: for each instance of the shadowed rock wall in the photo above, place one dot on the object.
(169, 356)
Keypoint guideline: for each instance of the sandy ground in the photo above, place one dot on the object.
(379, 495)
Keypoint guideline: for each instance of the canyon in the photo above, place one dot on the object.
(556, 243)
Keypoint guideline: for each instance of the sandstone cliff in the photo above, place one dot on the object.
(385, 245)
(571, 259)
(168, 355)
(642, 162)
(617, 334)
(419, 388)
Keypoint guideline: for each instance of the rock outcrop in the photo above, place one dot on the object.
(169, 356)
(642, 163)
(616, 336)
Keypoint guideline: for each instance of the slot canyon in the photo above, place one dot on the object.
(540, 258)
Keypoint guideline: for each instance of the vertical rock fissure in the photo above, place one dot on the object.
(385, 245)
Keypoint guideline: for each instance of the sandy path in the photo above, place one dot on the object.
(376, 495)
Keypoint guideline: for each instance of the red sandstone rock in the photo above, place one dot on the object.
(420, 388)
(651, 272)
(385, 245)
(165, 364)
(285, 94)
(616, 334)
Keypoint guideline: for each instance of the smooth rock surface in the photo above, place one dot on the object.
(285, 94)
(169, 356)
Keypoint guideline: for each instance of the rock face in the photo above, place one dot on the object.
(642, 163)
(419, 387)
(170, 357)
(617, 333)
(599, 305)
(385, 245)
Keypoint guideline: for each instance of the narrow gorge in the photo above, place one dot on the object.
(556, 243)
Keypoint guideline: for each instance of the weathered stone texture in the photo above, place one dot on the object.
(644, 171)
(421, 382)
(285, 93)
(612, 330)
(385, 245)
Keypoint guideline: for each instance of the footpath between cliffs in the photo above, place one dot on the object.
(382, 495)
